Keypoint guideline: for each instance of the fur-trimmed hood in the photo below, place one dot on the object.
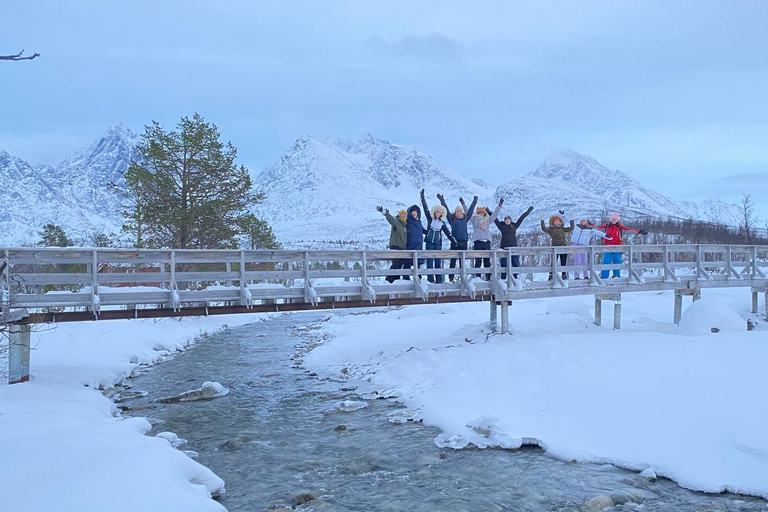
(439, 208)
(416, 209)
(552, 220)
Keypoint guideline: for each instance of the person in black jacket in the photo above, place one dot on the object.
(458, 221)
(509, 237)
(414, 235)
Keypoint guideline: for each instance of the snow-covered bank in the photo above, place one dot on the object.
(65, 449)
(684, 402)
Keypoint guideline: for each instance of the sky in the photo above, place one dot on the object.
(671, 92)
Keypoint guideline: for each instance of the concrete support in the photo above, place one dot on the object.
(598, 311)
(617, 315)
(504, 317)
(755, 297)
(18, 353)
(678, 308)
(494, 316)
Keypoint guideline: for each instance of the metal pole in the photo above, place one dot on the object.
(678, 308)
(598, 311)
(494, 316)
(504, 317)
(18, 353)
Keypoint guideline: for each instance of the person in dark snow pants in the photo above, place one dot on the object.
(582, 237)
(458, 221)
(614, 229)
(508, 231)
(557, 232)
(481, 233)
(414, 234)
(434, 238)
(398, 238)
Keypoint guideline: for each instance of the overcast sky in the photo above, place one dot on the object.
(672, 92)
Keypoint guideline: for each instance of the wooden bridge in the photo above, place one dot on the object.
(40, 285)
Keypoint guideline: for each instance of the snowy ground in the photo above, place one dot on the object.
(686, 403)
(64, 446)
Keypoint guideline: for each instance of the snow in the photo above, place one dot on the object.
(67, 448)
(682, 403)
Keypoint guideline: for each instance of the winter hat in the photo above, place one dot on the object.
(507, 217)
(439, 208)
(615, 217)
(458, 210)
(481, 210)
(402, 212)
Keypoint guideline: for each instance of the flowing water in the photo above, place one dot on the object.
(277, 442)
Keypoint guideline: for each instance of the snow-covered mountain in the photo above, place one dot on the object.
(599, 188)
(321, 192)
(327, 190)
(75, 194)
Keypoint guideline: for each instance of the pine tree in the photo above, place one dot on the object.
(184, 190)
(258, 233)
(53, 235)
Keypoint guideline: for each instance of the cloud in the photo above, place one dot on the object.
(434, 48)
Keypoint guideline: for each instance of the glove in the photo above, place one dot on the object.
(530, 208)
(440, 197)
(562, 212)
(474, 199)
(643, 232)
(541, 215)
(379, 209)
(386, 211)
(501, 201)
(461, 200)
(422, 192)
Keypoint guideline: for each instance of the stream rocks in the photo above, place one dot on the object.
(208, 391)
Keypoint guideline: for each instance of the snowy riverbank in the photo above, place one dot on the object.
(65, 449)
(685, 403)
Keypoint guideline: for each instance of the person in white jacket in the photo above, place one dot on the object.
(582, 236)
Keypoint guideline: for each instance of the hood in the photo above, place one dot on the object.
(414, 208)
(552, 220)
(439, 208)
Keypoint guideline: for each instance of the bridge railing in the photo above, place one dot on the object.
(44, 279)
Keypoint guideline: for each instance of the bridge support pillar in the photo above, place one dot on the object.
(18, 353)
(678, 307)
(755, 298)
(616, 298)
(504, 317)
(494, 316)
(598, 311)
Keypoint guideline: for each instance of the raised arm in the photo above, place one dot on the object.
(571, 224)
(426, 208)
(625, 228)
(441, 197)
(390, 218)
(544, 227)
(471, 210)
(497, 210)
(596, 226)
(448, 233)
(523, 216)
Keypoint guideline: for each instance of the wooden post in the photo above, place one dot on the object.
(494, 316)
(765, 303)
(598, 311)
(18, 353)
(617, 313)
(696, 294)
(229, 269)
(504, 317)
(678, 307)
(172, 287)
(95, 302)
(5, 285)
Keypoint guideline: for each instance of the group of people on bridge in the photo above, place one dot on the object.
(409, 234)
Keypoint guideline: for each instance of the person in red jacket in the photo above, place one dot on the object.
(614, 230)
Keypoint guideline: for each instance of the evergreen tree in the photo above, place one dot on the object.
(258, 233)
(53, 235)
(184, 190)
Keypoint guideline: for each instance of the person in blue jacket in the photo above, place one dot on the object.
(414, 235)
(437, 225)
(458, 221)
